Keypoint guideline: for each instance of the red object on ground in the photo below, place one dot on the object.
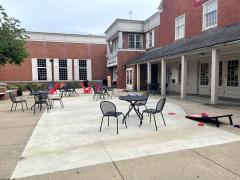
(54, 89)
(171, 113)
(200, 124)
(86, 90)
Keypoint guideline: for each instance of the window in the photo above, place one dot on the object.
(149, 38)
(135, 41)
(63, 71)
(220, 73)
(232, 73)
(180, 27)
(114, 45)
(82, 70)
(210, 14)
(42, 69)
(204, 70)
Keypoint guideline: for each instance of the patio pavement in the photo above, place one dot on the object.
(66, 144)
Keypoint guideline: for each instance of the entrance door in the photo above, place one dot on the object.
(204, 78)
(231, 78)
(129, 78)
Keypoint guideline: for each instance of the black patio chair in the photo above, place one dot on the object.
(31, 90)
(40, 100)
(98, 92)
(143, 103)
(59, 98)
(158, 109)
(109, 110)
(15, 101)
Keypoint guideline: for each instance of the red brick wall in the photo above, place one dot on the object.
(228, 13)
(123, 58)
(97, 53)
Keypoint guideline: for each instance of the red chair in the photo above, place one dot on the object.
(86, 90)
(54, 89)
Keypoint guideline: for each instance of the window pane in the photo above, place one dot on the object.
(82, 70)
(232, 73)
(204, 74)
(42, 69)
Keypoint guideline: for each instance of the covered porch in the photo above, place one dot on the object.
(196, 66)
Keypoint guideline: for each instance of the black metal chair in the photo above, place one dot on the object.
(15, 101)
(40, 100)
(98, 92)
(159, 108)
(143, 103)
(31, 90)
(59, 98)
(109, 110)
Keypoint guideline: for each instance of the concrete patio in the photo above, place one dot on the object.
(67, 144)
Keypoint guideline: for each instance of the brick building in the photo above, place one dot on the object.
(186, 47)
(197, 50)
(75, 57)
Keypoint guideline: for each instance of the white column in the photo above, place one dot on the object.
(163, 76)
(120, 40)
(183, 77)
(149, 72)
(214, 76)
(138, 77)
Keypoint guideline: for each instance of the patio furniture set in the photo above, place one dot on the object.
(109, 109)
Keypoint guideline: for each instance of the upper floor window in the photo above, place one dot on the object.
(114, 45)
(135, 41)
(180, 27)
(210, 14)
(150, 39)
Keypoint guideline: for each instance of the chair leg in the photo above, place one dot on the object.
(150, 117)
(61, 104)
(26, 105)
(34, 108)
(101, 124)
(155, 121)
(108, 121)
(163, 119)
(16, 107)
(11, 107)
(117, 125)
(22, 106)
(125, 122)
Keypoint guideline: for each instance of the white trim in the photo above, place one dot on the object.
(203, 15)
(56, 69)
(49, 70)
(34, 69)
(69, 69)
(176, 22)
(69, 38)
(89, 69)
(76, 69)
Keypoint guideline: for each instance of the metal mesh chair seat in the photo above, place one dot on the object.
(159, 108)
(15, 101)
(109, 110)
(114, 114)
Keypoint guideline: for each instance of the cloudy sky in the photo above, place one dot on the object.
(76, 16)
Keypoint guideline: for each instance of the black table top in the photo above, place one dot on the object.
(133, 98)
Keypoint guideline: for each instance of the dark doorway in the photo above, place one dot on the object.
(154, 75)
(143, 77)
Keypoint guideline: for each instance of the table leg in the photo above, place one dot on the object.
(230, 119)
(127, 114)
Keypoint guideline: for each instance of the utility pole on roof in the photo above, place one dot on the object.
(130, 14)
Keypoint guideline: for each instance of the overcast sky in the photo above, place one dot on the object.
(76, 16)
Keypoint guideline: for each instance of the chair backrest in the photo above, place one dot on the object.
(107, 106)
(85, 83)
(145, 101)
(160, 104)
(12, 97)
(30, 89)
(55, 86)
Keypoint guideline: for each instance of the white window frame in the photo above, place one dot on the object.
(204, 27)
(135, 41)
(148, 40)
(177, 25)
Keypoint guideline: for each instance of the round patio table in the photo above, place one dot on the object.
(133, 100)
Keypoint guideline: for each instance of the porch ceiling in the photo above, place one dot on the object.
(210, 38)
